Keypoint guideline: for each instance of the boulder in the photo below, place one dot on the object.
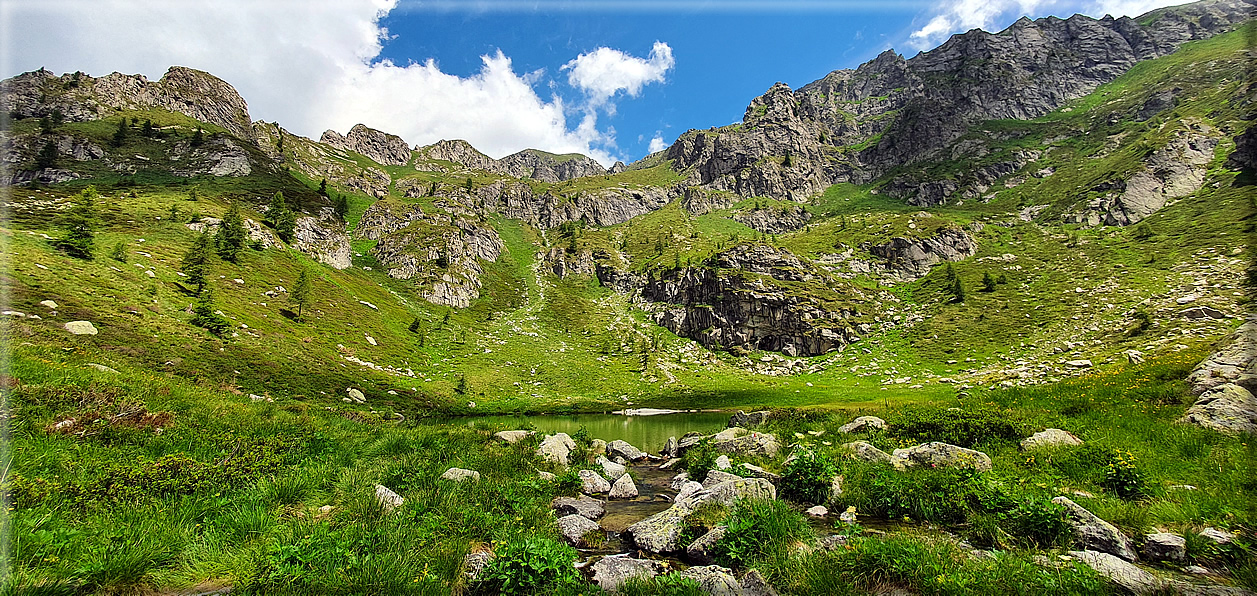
(546, 476)
(744, 420)
(556, 448)
(715, 477)
(1165, 546)
(817, 511)
(728, 434)
(864, 451)
(624, 488)
(592, 483)
(1217, 537)
(388, 499)
(356, 395)
(863, 424)
(611, 469)
(723, 463)
(598, 446)
(619, 448)
(610, 572)
(714, 580)
(1227, 408)
(1120, 572)
(754, 584)
(754, 471)
(81, 328)
(582, 505)
(687, 490)
(699, 551)
(751, 444)
(512, 436)
(729, 491)
(461, 475)
(670, 449)
(678, 480)
(1052, 437)
(574, 527)
(1095, 534)
(661, 532)
(1236, 362)
(48, 304)
(940, 455)
(474, 563)
(1078, 363)
(835, 488)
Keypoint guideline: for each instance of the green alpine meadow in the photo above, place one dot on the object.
(976, 321)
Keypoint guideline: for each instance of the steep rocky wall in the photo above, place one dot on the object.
(912, 258)
(383, 148)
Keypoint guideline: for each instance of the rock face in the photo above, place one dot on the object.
(854, 125)
(912, 258)
(1226, 408)
(740, 298)
(1052, 437)
(1235, 363)
(323, 240)
(381, 147)
(774, 221)
(941, 455)
(196, 94)
(529, 163)
(1093, 533)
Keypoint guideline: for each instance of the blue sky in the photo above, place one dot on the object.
(609, 78)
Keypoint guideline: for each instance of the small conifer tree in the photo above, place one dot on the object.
(78, 226)
(204, 315)
(231, 235)
(196, 262)
(47, 157)
(300, 294)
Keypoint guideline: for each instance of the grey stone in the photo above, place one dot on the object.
(671, 449)
(1227, 408)
(744, 420)
(817, 511)
(544, 475)
(624, 488)
(625, 450)
(475, 562)
(387, 498)
(612, 470)
(750, 444)
(1120, 572)
(699, 551)
(942, 455)
(611, 572)
(356, 395)
(714, 580)
(863, 424)
(687, 490)
(754, 471)
(556, 448)
(81, 328)
(1216, 536)
(101, 368)
(582, 505)
(574, 527)
(661, 532)
(723, 463)
(754, 584)
(678, 480)
(461, 475)
(592, 482)
(1095, 534)
(512, 436)
(1052, 437)
(729, 491)
(1236, 362)
(48, 304)
(1165, 546)
(715, 477)
(864, 451)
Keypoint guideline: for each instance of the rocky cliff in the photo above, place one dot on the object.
(79, 97)
(529, 163)
(381, 147)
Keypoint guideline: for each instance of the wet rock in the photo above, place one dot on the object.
(387, 498)
(729, 491)
(863, 424)
(610, 469)
(623, 449)
(1165, 546)
(611, 572)
(714, 580)
(592, 483)
(461, 475)
(556, 448)
(743, 420)
(624, 488)
(661, 532)
(1095, 534)
(512, 436)
(582, 505)
(699, 551)
(574, 527)
(864, 451)
(1228, 408)
(942, 455)
(1052, 437)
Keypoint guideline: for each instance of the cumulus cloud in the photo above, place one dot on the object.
(604, 72)
(958, 16)
(657, 144)
(313, 65)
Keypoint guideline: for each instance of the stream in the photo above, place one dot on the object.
(647, 433)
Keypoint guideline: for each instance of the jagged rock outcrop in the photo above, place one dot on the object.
(441, 251)
(383, 148)
(517, 200)
(912, 258)
(701, 201)
(972, 184)
(322, 239)
(747, 296)
(457, 151)
(1235, 362)
(529, 163)
(79, 97)
(319, 161)
(1172, 172)
(773, 220)
(854, 125)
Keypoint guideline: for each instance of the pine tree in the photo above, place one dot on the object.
(231, 234)
(196, 262)
(47, 157)
(204, 315)
(147, 130)
(120, 135)
(341, 206)
(78, 225)
(300, 294)
(198, 137)
(988, 282)
(286, 225)
(119, 252)
(957, 290)
(323, 187)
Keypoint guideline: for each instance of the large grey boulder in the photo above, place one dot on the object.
(941, 455)
(864, 451)
(512, 436)
(592, 483)
(461, 475)
(625, 450)
(1093, 533)
(714, 580)
(574, 527)
(729, 491)
(687, 490)
(624, 488)
(699, 551)
(863, 424)
(1052, 437)
(1165, 546)
(610, 469)
(661, 532)
(557, 448)
(1227, 408)
(744, 420)
(670, 449)
(583, 506)
(715, 477)
(750, 444)
(81, 328)
(1120, 572)
(610, 572)
(678, 480)
(754, 471)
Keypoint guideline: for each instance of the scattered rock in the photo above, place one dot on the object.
(49, 304)
(942, 455)
(1234, 363)
(101, 368)
(512, 436)
(817, 511)
(556, 448)
(612, 470)
(625, 450)
(1052, 437)
(754, 584)
(624, 488)
(1202, 312)
(356, 395)
(832, 542)
(714, 580)
(715, 477)
(1078, 363)
(81, 328)
(1165, 546)
(461, 475)
(574, 527)
(1217, 537)
(387, 498)
(1227, 408)
(610, 572)
(863, 424)
(475, 562)
(661, 532)
(754, 471)
(699, 551)
(582, 505)
(864, 451)
(1095, 534)
(1120, 572)
(592, 483)
(729, 491)
(670, 449)
(743, 420)
(687, 490)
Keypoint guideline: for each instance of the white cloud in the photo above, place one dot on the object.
(657, 144)
(1125, 8)
(310, 64)
(604, 72)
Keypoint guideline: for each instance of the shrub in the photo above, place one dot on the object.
(1039, 520)
(946, 495)
(1123, 476)
(958, 427)
(807, 478)
(530, 566)
(699, 460)
(758, 529)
